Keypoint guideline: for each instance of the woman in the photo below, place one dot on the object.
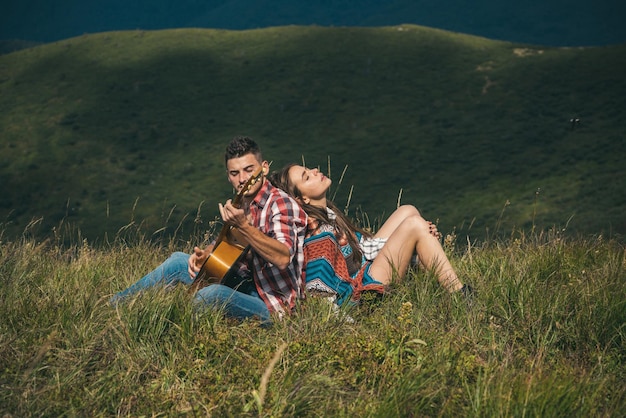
(369, 261)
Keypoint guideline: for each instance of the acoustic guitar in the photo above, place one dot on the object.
(230, 248)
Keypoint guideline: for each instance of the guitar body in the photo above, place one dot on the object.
(223, 259)
(220, 266)
(230, 248)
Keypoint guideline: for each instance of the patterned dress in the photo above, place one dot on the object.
(329, 268)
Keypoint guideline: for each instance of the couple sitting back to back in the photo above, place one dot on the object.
(295, 234)
(370, 261)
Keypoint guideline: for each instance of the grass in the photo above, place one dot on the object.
(544, 336)
(104, 127)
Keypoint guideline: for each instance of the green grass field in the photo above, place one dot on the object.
(544, 336)
(109, 129)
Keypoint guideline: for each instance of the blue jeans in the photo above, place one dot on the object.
(174, 270)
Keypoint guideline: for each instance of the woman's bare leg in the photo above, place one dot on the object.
(413, 235)
(397, 217)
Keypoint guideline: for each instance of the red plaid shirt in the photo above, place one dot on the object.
(280, 217)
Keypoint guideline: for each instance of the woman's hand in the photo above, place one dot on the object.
(432, 228)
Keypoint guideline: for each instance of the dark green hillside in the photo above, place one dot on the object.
(107, 129)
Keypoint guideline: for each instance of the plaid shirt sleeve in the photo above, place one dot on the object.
(281, 218)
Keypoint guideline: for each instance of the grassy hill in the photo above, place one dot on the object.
(544, 337)
(111, 129)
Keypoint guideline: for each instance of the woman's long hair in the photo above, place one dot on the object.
(342, 224)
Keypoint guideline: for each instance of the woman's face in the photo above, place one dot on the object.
(311, 183)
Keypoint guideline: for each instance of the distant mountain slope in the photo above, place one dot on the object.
(541, 22)
(129, 127)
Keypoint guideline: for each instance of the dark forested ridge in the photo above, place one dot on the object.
(541, 22)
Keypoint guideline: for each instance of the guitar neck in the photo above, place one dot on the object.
(237, 200)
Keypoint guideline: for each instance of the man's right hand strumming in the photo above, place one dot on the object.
(197, 259)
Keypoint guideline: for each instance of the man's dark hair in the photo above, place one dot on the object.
(240, 146)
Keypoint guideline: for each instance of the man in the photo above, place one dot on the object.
(273, 225)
